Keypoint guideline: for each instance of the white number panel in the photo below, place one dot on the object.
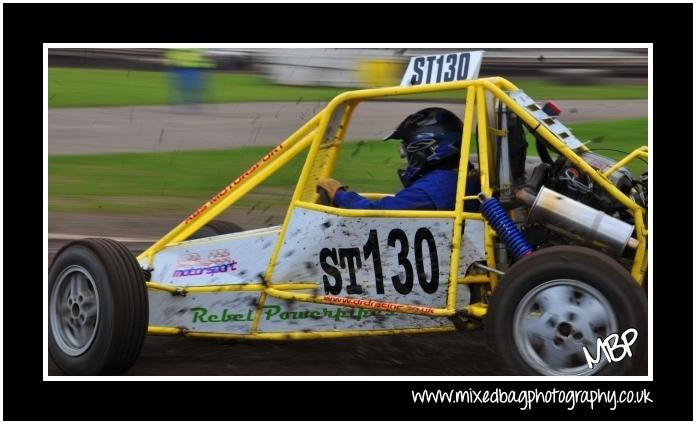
(390, 259)
(442, 68)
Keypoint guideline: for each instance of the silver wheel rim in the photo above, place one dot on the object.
(74, 310)
(555, 320)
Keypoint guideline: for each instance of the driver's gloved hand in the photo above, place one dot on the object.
(330, 185)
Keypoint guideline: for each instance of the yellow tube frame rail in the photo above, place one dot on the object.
(257, 173)
(294, 335)
(641, 152)
(311, 135)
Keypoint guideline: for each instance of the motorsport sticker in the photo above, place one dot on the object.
(218, 261)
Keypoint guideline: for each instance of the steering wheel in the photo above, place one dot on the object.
(324, 197)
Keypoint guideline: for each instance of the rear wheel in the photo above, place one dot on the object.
(555, 302)
(98, 308)
(216, 228)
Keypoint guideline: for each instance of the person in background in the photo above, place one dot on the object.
(430, 143)
(188, 75)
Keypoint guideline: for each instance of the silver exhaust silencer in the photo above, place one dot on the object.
(574, 219)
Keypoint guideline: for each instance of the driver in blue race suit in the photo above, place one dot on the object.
(430, 143)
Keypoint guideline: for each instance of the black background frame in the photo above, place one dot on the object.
(27, 26)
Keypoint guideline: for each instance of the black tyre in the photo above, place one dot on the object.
(216, 228)
(98, 308)
(552, 303)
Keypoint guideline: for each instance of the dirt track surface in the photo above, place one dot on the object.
(446, 354)
(221, 126)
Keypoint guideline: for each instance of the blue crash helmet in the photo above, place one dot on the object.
(430, 139)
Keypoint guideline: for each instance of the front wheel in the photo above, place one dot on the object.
(98, 308)
(553, 303)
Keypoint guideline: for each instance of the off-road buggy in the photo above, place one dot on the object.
(553, 261)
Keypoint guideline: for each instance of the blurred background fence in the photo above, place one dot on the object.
(353, 67)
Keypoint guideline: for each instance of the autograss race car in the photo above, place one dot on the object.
(551, 266)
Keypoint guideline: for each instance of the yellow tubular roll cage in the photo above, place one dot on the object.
(313, 135)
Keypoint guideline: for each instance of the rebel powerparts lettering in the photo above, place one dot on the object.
(234, 183)
(201, 314)
(275, 312)
(337, 314)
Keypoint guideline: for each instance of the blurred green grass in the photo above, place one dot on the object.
(77, 87)
(182, 180)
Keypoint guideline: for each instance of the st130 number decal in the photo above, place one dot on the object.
(336, 261)
(442, 68)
